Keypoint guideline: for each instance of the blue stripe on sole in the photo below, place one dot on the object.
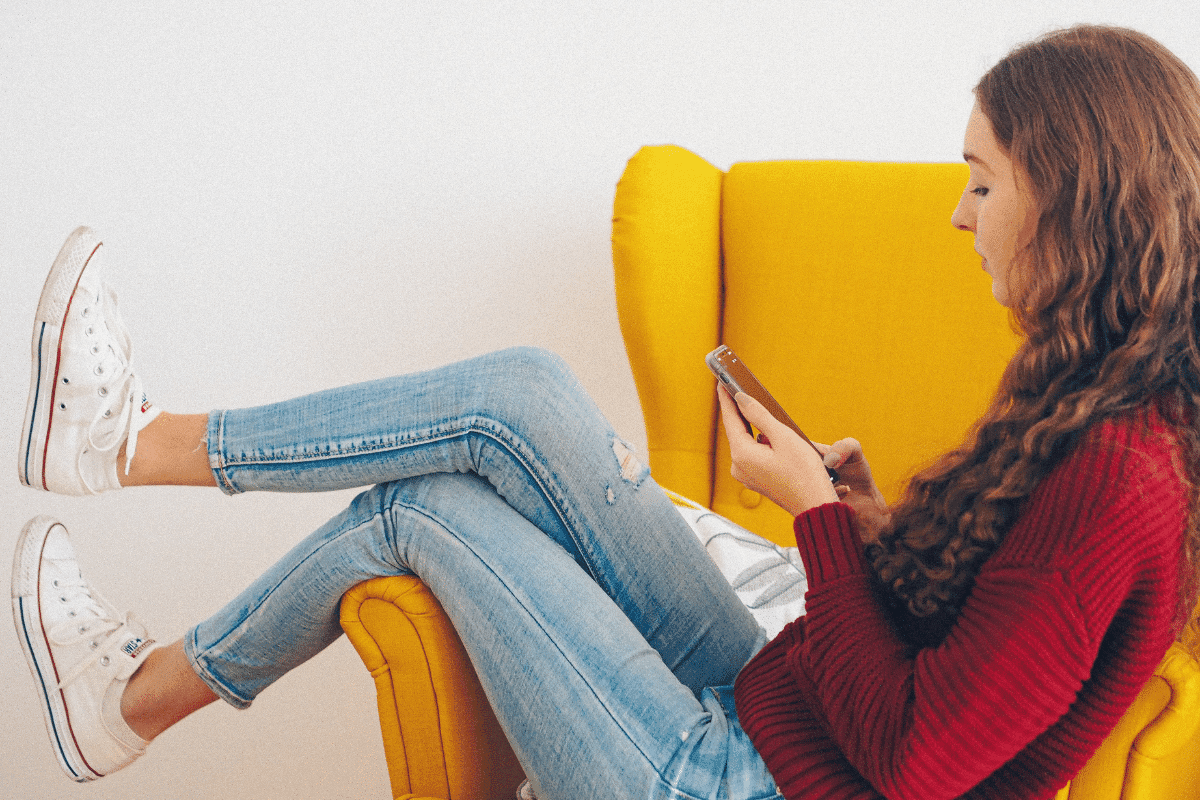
(45, 690)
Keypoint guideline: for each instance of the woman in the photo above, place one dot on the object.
(978, 639)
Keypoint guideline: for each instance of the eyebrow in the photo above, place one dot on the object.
(970, 158)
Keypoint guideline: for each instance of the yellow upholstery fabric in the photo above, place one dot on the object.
(439, 734)
(845, 288)
(667, 262)
(1154, 752)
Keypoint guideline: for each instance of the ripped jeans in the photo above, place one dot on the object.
(595, 620)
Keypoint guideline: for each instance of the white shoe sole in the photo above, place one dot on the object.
(28, 619)
(53, 305)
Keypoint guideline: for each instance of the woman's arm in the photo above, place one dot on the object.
(938, 721)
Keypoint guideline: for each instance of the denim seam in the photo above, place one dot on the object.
(217, 460)
(549, 635)
(547, 484)
(218, 686)
(476, 424)
(270, 593)
(492, 429)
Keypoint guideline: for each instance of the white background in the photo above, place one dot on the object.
(298, 195)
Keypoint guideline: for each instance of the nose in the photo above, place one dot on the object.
(963, 217)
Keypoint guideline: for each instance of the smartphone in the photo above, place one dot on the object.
(735, 376)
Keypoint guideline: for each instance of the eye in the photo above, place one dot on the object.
(981, 191)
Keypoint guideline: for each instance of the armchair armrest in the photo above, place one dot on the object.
(1166, 755)
(440, 736)
(1154, 752)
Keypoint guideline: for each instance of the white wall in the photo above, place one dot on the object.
(297, 195)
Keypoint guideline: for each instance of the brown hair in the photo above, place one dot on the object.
(1103, 125)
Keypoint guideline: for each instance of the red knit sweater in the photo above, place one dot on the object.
(1066, 621)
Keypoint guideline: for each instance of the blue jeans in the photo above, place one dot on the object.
(595, 620)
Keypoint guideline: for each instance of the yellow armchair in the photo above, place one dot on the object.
(845, 287)
(440, 737)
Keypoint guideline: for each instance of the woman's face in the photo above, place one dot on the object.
(994, 206)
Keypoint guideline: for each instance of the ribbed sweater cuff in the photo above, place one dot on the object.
(828, 543)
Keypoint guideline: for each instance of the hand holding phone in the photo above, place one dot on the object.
(736, 377)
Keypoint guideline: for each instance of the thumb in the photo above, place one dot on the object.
(842, 451)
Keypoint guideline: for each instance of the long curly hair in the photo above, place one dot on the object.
(1103, 125)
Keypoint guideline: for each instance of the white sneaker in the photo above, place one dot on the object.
(81, 653)
(84, 399)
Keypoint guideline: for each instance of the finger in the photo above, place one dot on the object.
(756, 413)
(736, 426)
(848, 446)
(847, 450)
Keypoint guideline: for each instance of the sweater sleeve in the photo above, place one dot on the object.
(935, 722)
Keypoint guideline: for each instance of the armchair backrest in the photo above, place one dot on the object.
(842, 285)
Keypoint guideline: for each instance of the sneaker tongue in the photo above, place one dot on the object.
(127, 646)
(99, 469)
(133, 647)
(130, 644)
(143, 414)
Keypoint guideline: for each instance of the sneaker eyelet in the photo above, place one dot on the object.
(94, 645)
(62, 599)
(62, 405)
(83, 629)
(90, 330)
(72, 614)
(54, 583)
(95, 349)
(86, 312)
(105, 661)
(66, 380)
(107, 413)
(102, 391)
(99, 370)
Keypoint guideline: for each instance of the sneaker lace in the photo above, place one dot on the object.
(90, 619)
(126, 382)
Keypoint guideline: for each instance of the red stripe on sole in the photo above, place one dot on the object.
(58, 360)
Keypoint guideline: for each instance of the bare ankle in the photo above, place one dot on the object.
(171, 451)
(135, 706)
(163, 691)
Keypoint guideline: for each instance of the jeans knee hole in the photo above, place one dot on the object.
(632, 469)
